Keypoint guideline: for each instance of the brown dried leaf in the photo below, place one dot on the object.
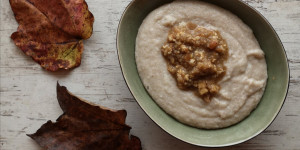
(51, 32)
(85, 126)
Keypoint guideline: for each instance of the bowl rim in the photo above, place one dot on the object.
(197, 144)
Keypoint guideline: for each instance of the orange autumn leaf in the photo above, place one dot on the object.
(51, 32)
(85, 126)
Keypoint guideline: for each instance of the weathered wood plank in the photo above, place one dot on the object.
(28, 95)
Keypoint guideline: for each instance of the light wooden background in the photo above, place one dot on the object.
(28, 97)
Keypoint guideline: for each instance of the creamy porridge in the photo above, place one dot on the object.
(200, 63)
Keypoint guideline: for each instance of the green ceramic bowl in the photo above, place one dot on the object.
(258, 120)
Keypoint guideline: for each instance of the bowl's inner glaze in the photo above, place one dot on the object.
(259, 119)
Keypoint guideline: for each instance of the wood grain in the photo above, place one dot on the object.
(28, 95)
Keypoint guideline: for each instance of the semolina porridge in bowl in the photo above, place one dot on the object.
(200, 63)
(211, 73)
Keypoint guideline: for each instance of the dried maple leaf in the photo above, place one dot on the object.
(85, 126)
(51, 32)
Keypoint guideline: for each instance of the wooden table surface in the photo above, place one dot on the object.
(28, 96)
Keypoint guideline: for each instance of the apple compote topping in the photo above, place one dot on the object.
(195, 57)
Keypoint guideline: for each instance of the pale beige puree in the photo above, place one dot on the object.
(242, 86)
